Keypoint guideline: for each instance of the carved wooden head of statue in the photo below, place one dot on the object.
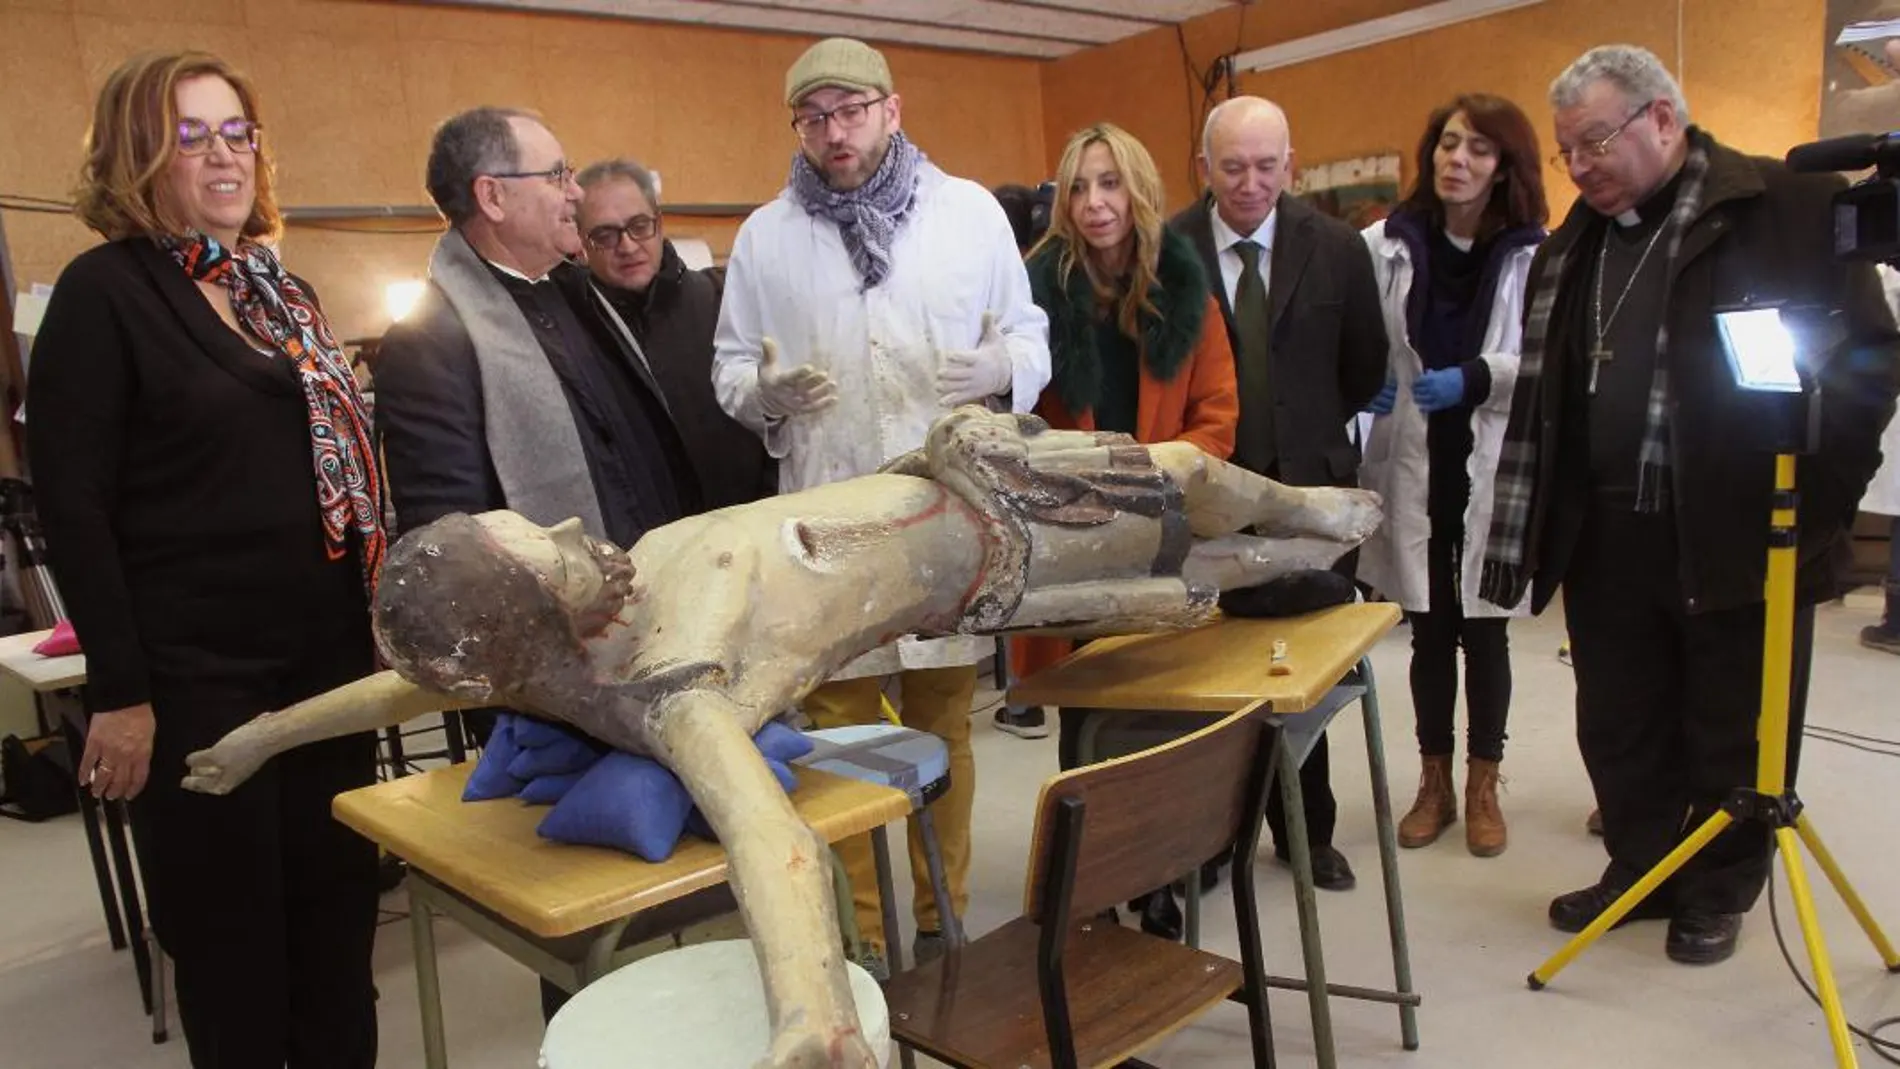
(483, 607)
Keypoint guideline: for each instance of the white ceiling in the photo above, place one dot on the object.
(1039, 28)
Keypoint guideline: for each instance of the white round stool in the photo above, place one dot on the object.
(701, 1005)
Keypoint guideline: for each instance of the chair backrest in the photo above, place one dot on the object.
(1136, 823)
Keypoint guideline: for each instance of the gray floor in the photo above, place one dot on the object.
(67, 1001)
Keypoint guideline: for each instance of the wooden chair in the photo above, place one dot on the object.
(1060, 986)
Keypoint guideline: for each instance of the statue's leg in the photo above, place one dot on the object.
(1234, 561)
(780, 873)
(1225, 498)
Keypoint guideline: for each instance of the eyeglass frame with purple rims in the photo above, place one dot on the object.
(190, 130)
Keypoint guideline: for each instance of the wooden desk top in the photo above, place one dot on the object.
(489, 852)
(18, 660)
(1219, 668)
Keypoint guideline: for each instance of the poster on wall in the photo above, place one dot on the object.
(1360, 191)
(1860, 85)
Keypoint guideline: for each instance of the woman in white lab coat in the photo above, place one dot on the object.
(1451, 263)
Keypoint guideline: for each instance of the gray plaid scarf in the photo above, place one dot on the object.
(1507, 551)
(868, 216)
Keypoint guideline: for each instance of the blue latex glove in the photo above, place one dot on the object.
(490, 778)
(1439, 389)
(1382, 402)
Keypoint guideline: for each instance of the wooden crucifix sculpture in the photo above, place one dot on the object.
(684, 646)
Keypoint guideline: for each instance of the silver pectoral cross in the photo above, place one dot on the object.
(1598, 357)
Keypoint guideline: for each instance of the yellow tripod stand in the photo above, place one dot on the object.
(1769, 801)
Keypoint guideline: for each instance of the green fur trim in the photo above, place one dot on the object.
(1167, 340)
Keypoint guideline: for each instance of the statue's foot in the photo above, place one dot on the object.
(1342, 514)
(803, 1049)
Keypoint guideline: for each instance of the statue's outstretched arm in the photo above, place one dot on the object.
(371, 703)
(780, 870)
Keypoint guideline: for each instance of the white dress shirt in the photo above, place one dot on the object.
(1225, 238)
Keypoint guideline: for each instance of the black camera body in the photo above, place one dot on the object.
(1866, 214)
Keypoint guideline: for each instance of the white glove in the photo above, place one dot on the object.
(797, 391)
(966, 375)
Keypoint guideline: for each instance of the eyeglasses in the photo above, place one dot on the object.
(1596, 150)
(639, 228)
(850, 117)
(559, 174)
(195, 138)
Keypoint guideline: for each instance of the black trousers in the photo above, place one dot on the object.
(264, 902)
(1436, 638)
(1667, 704)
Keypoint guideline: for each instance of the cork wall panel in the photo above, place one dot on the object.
(350, 118)
(1752, 74)
(1765, 55)
(45, 111)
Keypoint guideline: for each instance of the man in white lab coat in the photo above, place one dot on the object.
(874, 294)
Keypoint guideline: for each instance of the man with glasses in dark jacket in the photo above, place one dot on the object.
(665, 312)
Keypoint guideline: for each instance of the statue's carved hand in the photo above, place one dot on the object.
(228, 763)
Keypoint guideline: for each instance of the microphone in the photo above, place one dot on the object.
(1853, 152)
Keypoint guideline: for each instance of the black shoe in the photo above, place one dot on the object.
(1159, 915)
(1330, 869)
(1030, 723)
(1702, 937)
(1573, 912)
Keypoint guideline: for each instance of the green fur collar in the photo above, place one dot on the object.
(1167, 339)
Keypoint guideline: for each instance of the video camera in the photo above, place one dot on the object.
(1867, 214)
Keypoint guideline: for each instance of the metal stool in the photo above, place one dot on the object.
(915, 762)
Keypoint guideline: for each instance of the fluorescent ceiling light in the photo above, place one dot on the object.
(1372, 32)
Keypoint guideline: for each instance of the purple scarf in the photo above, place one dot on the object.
(868, 216)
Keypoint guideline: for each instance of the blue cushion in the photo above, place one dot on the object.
(561, 753)
(625, 802)
(547, 790)
(490, 779)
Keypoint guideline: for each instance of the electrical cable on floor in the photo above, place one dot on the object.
(1887, 1049)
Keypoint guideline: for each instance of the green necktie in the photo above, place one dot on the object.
(1254, 445)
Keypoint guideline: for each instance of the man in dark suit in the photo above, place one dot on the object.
(1302, 312)
(665, 312)
(506, 387)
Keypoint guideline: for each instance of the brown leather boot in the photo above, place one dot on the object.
(1484, 821)
(1436, 807)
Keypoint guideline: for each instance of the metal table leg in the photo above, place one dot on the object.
(1388, 856)
(893, 939)
(428, 983)
(1301, 855)
(95, 840)
(1192, 929)
(129, 898)
(939, 883)
(160, 1024)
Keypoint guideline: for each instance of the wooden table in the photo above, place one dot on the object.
(560, 910)
(56, 683)
(1222, 668)
(43, 674)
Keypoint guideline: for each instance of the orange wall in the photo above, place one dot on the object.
(1751, 70)
(352, 89)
